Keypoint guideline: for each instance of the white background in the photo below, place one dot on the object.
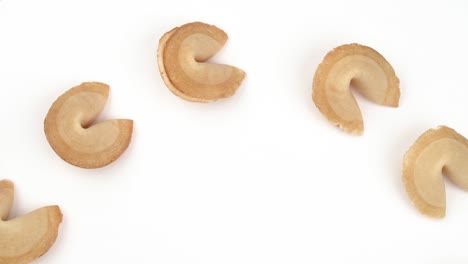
(260, 177)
